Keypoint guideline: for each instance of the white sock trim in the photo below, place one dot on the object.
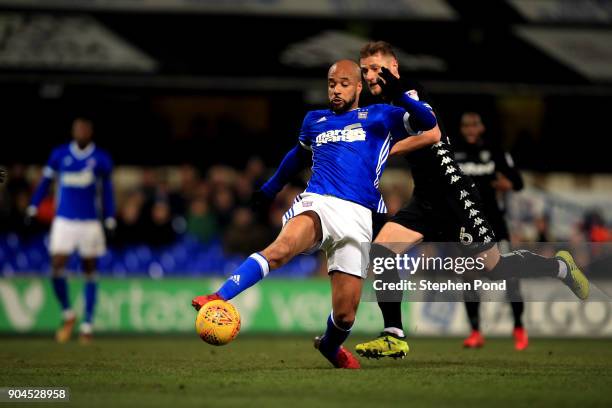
(86, 328)
(331, 316)
(562, 269)
(263, 263)
(68, 314)
(394, 330)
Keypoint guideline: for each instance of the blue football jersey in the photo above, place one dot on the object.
(350, 150)
(79, 174)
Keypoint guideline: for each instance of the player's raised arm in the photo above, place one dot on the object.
(420, 115)
(43, 187)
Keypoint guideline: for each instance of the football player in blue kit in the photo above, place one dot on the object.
(445, 207)
(80, 169)
(349, 148)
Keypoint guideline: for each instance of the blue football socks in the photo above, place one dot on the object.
(251, 271)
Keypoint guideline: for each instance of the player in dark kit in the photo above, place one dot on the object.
(445, 207)
(494, 173)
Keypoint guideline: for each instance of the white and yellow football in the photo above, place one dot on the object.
(218, 322)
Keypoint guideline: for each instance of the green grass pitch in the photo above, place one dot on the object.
(288, 372)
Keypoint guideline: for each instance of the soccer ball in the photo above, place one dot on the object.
(218, 322)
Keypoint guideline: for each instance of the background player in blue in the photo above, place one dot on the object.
(80, 169)
(349, 149)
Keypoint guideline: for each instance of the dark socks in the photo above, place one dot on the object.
(389, 302)
(522, 264)
(60, 288)
(332, 339)
(473, 312)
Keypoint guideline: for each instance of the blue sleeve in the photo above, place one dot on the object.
(108, 201)
(49, 171)
(304, 138)
(296, 160)
(41, 191)
(395, 119)
(420, 115)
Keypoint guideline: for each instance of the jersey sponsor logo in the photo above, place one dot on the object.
(477, 169)
(78, 178)
(464, 237)
(350, 133)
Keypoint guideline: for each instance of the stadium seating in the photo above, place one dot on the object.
(186, 257)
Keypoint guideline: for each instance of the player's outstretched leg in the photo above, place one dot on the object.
(60, 288)
(346, 291)
(299, 234)
(523, 263)
(572, 276)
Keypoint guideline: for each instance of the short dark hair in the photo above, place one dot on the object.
(375, 47)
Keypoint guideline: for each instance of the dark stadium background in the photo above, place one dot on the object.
(235, 56)
(197, 102)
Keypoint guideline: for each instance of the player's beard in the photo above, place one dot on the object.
(344, 107)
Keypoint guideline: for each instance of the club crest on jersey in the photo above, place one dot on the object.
(350, 133)
(413, 94)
